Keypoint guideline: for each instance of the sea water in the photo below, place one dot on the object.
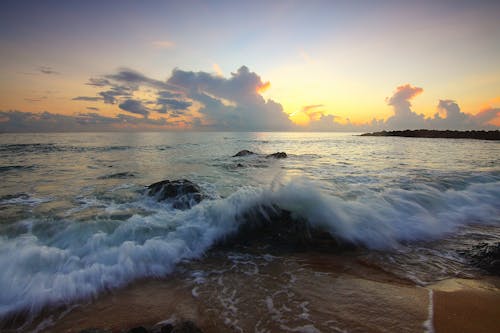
(76, 220)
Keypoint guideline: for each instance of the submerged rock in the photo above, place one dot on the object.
(485, 256)
(183, 193)
(185, 326)
(119, 175)
(139, 329)
(280, 154)
(273, 227)
(244, 152)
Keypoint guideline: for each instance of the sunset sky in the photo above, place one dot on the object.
(249, 65)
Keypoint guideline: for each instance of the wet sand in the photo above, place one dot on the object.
(467, 306)
(303, 293)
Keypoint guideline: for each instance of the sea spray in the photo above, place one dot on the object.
(59, 261)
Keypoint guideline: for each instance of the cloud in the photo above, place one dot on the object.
(98, 82)
(168, 104)
(87, 98)
(448, 117)
(92, 108)
(116, 92)
(133, 79)
(217, 70)
(486, 116)
(47, 70)
(231, 103)
(163, 44)
(134, 106)
(35, 99)
(17, 121)
(209, 101)
(404, 117)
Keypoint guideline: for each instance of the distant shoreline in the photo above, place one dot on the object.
(423, 133)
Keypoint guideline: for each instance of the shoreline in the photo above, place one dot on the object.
(323, 293)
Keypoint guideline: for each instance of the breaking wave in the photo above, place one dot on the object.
(59, 261)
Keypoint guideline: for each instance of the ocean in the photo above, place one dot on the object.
(77, 225)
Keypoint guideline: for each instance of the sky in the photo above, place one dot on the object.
(249, 65)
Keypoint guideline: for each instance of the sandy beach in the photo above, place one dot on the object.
(303, 293)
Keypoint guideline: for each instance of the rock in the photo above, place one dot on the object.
(271, 226)
(485, 256)
(119, 175)
(424, 133)
(95, 330)
(183, 193)
(139, 329)
(186, 327)
(176, 326)
(167, 328)
(244, 152)
(277, 155)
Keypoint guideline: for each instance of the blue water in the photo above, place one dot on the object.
(75, 219)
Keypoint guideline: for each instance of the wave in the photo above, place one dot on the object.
(59, 261)
(8, 168)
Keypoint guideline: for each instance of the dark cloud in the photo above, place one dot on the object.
(168, 94)
(134, 106)
(112, 95)
(87, 98)
(98, 82)
(134, 79)
(35, 99)
(17, 121)
(167, 104)
(47, 70)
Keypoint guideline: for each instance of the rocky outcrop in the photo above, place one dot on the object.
(423, 133)
(280, 154)
(485, 256)
(243, 152)
(181, 192)
(280, 230)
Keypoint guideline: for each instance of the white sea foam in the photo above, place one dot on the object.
(78, 260)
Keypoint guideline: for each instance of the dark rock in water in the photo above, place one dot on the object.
(167, 328)
(244, 152)
(95, 330)
(183, 193)
(278, 228)
(119, 175)
(139, 329)
(186, 327)
(485, 256)
(280, 154)
(239, 165)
